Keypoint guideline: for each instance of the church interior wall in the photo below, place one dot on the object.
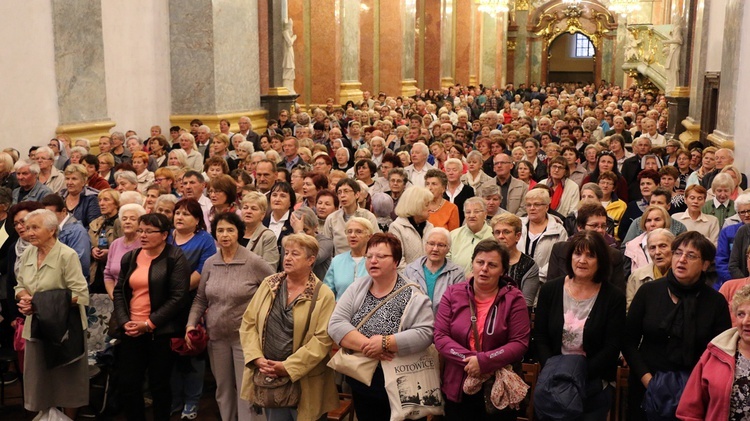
(431, 35)
(742, 108)
(137, 64)
(462, 39)
(390, 48)
(368, 37)
(716, 17)
(29, 92)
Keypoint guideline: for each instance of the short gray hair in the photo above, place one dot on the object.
(131, 197)
(49, 219)
(131, 207)
(743, 199)
(660, 231)
(23, 162)
(47, 150)
(438, 230)
(309, 219)
(476, 201)
(246, 146)
(361, 221)
(422, 146)
(127, 175)
(166, 198)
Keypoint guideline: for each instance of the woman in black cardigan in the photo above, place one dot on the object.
(584, 314)
(151, 304)
(672, 320)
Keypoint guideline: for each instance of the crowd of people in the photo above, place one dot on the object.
(555, 224)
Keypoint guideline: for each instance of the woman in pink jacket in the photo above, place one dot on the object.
(502, 329)
(719, 387)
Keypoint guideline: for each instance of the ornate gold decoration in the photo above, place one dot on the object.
(511, 45)
(257, 119)
(91, 131)
(522, 5)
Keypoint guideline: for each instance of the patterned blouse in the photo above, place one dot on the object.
(387, 319)
(739, 401)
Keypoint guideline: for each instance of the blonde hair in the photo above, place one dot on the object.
(310, 244)
(257, 198)
(742, 296)
(413, 201)
(361, 221)
(77, 169)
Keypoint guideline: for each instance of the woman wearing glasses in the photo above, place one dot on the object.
(150, 299)
(403, 325)
(564, 191)
(540, 230)
(671, 320)
(434, 272)
(607, 161)
(349, 266)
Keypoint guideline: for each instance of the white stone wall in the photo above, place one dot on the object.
(137, 65)
(742, 108)
(716, 17)
(28, 103)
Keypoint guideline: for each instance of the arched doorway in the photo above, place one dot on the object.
(571, 57)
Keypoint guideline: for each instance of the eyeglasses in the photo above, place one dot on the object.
(147, 232)
(744, 212)
(345, 191)
(678, 254)
(355, 232)
(536, 205)
(502, 163)
(377, 256)
(557, 167)
(160, 179)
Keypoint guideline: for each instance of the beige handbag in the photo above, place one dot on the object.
(355, 364)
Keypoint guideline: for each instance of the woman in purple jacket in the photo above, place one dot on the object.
(502, 326)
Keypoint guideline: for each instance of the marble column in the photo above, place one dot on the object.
(488, 54)
(215, 61)
(281, 94)
(79, 69)
(473, 80)
(692, 122)
(678, 100)
(350, 87)
(447, 44)
(522, 47)
(735, 32)
(408, 36)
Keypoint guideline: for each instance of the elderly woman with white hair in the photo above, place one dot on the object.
(49, 175)
(719, 201)
(475, 177)
(128, 216)
(346, 267)
(178, 158)
(377, 147)
(411, 225)
(7, 176)
(194, 158)
(304, 220)
(126, 181)
(540, 230)
(474, 230)
(49, 278)
(80, 199)
(433, 271)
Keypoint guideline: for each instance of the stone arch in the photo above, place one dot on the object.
(590, 18)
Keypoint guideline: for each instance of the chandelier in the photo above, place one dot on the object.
(492, 6)
(571, 2)
(624, 7)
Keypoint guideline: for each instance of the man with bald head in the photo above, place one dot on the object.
(724, 157)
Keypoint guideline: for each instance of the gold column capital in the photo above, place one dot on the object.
(692, 131)
(446, 82)
(91, 131)
(680, 92)
(522, 5)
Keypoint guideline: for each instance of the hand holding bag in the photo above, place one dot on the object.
(355, 364)
(280, 392)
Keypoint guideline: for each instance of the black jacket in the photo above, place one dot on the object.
(57, 324)
(168, 286)
(602, 333)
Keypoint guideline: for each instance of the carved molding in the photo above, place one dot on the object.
(511, 45)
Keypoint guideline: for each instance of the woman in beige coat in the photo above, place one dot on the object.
(412, 225)
(281, 305)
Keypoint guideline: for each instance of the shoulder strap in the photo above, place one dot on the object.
(382, 303)
(312, 308)
(474, 329)
(255, 242)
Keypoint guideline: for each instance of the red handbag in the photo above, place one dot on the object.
(19, 343)
(198, 339)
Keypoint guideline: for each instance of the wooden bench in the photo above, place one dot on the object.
(346, 407)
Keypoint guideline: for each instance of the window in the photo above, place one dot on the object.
(584, 47)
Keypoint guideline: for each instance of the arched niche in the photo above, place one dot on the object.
(571, 59)
(590, 18)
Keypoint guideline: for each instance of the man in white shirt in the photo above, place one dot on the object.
(419, 164)
(649, 131)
